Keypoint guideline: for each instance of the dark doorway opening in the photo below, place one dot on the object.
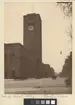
(13, 74)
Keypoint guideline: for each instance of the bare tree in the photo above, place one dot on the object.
(69, 32)
(66, 8)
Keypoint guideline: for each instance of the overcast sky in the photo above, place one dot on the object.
(54, 25)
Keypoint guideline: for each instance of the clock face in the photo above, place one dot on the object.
(30, 27)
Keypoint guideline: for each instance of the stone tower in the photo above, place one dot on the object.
(32, 37)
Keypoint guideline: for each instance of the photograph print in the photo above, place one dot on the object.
(38, 48)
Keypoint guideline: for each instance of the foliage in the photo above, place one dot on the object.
(67, 67)
(66, 7)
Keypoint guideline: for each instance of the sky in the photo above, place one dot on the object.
(54, 25)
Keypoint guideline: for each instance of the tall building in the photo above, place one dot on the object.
(25, 61)
(32, 38)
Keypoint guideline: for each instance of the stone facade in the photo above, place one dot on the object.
(25, 61)
(19, 63)
(32, 38)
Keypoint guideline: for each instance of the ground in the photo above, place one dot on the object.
(37, 86)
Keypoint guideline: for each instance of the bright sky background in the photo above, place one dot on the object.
(54, 25)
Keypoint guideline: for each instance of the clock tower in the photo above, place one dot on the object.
(32, 38)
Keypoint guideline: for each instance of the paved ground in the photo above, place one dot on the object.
(37, 86)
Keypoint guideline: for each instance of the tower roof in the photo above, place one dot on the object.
(32, 15)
